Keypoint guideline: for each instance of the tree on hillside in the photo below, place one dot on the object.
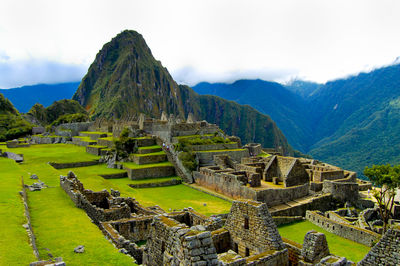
(387, 178)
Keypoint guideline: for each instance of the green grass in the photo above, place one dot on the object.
(14, 242)
(222, 150)
(93, 132)
(194, 136)
(98, 146)
(132, 165)
(149, 154)
(60, 227)
(263, 154)
(149, 147)
(337, 245)
(92, 171)
(110, 138)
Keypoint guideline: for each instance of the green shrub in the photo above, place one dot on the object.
(188, 160)
(70, 118)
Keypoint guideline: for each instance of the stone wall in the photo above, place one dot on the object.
(386, 251)
(107, 212)
(252, 228)
(49, 139)
(275, 197)
(350, 232)
(166, 183)
(222, 240)
(172, 243)
(279, 220)
(74, 164)
(322, 202)
(207, 158)
(150, 172)
(341, 191)
(147, 159)
(72, 129)
(218, 146)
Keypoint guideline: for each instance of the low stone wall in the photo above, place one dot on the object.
(350, 232)
(206, 158)
(72, 129)
(279, 220)
(105, 142)
(29, 229)
(294, 251)
(151, 172)
(147, 159)
(121, 243)
(167, 183)
(49, 139)
(93, 136)
(385, 252)
(341, 191)
(222, 240)
(277, 258)
(115, 176)
(73, 164)
(146, 142)
(217, 146)
(146, 151)
(95, 150)
(275, 197)
(323, 203)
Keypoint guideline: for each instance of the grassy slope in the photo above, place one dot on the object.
(13, 237)
(337, 245)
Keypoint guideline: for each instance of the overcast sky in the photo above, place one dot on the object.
(204, 40)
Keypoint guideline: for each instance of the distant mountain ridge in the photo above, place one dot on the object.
(25, 97)
(350, 122)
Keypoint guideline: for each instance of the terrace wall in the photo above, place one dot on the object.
(350, 232)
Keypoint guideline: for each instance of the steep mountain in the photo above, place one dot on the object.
(286, 108)
(12, 125)
(125, 80)
(25, 97)
(39, 114)
(303, 88)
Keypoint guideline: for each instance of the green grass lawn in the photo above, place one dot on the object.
(93, 132)
(337, 245)
(60, 227)
(14, 242)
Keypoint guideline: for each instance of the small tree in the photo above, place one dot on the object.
(387, 178)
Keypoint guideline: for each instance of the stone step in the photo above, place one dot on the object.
(93, 135)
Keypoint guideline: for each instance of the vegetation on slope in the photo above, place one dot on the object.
(58, 110)
(12, 125)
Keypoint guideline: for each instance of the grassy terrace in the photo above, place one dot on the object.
(58, 225)
(194, 136)
(337, 245)
(13, 238)
(263, 154)
(223, 150)
(149, 154)
(149, 147)
(132, 165)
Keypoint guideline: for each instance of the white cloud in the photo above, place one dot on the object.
(312, 39)
(16, 73)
